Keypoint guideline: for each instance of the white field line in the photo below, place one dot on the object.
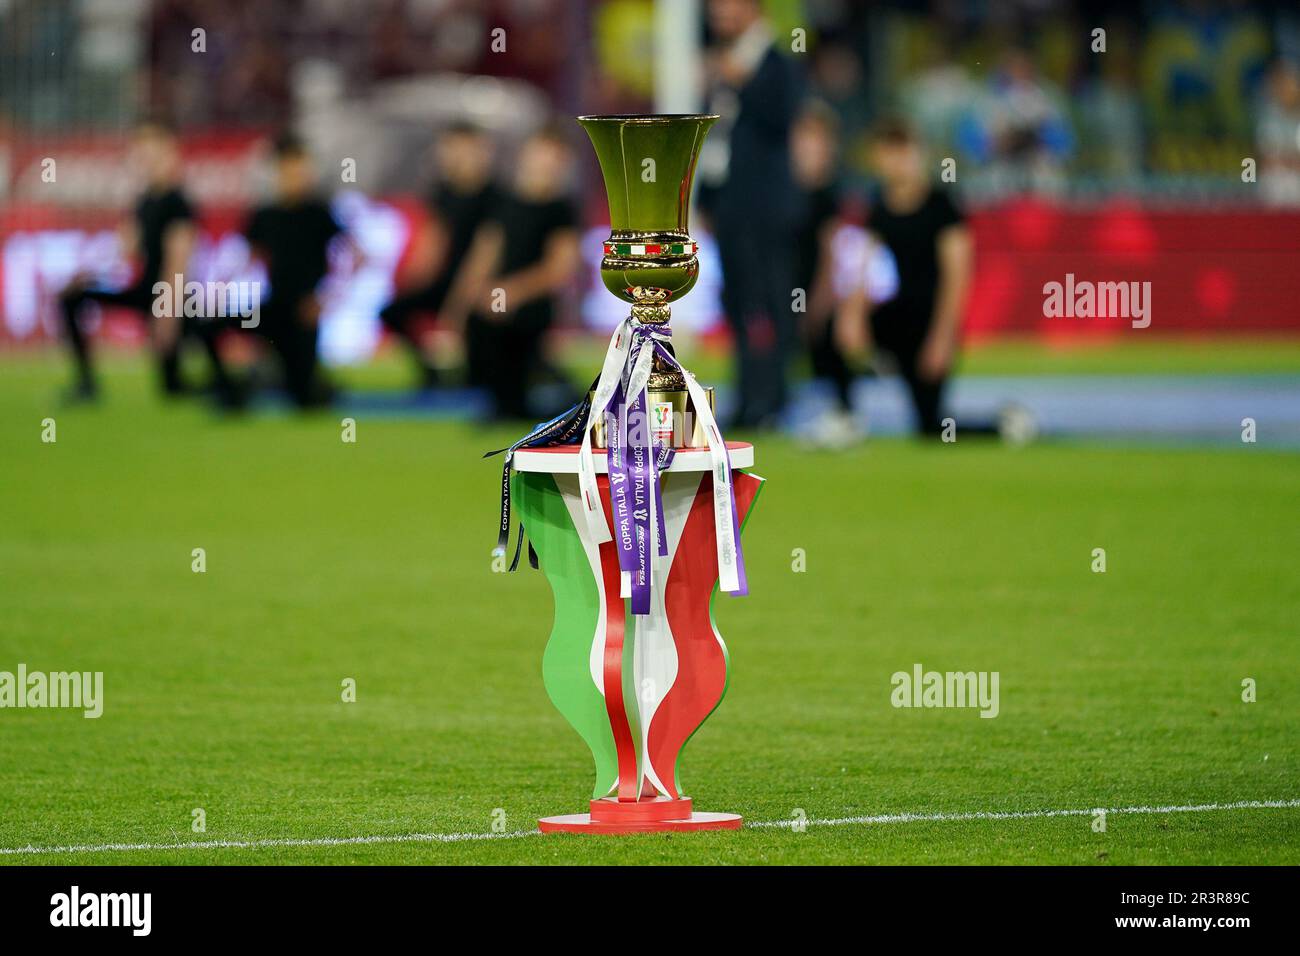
(1028, 814)
(273, 842)
(884, 818)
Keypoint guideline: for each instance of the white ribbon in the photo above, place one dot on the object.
(610, 375)
(724, 530)
(723, 491)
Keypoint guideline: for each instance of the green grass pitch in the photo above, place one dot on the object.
(371, 561)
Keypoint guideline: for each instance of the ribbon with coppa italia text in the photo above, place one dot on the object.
(636, 459)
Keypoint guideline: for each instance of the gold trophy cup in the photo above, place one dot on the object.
(648, 163)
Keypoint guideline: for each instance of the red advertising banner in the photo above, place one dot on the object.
(1213, 271)
(1043, 269)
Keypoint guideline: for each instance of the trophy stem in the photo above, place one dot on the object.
(650, 308)
(663, 377)
(651, 313)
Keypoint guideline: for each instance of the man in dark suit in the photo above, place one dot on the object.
(749, 195)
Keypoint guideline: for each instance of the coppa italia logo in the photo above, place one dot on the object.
(75, 908)
(662, 418)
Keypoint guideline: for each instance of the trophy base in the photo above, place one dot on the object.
(676, 410)
(656, 815)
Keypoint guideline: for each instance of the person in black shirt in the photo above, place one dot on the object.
(292, 236)
(163, 232)
(520, 260)
(462, 199)
(932, 249)
(814, 150)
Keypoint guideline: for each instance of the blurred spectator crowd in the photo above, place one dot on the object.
(1050, 96)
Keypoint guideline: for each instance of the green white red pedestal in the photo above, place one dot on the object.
(634, 687)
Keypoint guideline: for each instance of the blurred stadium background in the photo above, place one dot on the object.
(1126, 165)
(372, 560)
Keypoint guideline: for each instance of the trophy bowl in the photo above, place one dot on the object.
(648, 163)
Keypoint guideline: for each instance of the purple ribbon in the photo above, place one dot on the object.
(635, 461)
(629, 490)
(664, 455)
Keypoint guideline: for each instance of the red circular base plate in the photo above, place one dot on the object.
(645, 810)
(582, 823)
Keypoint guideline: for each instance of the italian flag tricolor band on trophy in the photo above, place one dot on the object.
(636, 540)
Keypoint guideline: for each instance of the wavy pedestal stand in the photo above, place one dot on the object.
(634, 687)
